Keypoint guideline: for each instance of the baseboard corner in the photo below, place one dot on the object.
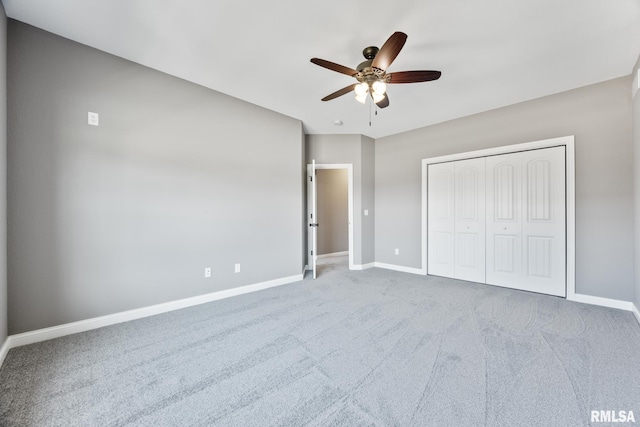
(603, 302)
(636, 312)
(361, 267)
(401, 268)
(4, 350)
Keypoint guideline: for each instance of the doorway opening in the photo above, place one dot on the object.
(330, 217)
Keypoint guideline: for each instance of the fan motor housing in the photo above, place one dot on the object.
(364, 65)
(370, 52)
(366, 73)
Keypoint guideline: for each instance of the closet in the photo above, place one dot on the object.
(500, 220)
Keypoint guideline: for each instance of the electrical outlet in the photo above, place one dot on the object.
(397, 251)
(237, 268)
(93, 119)
(366, 212)
(207, 272)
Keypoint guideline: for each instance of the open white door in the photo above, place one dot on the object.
(312, 240)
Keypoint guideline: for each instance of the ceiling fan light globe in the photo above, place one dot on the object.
(361, 98)
(379, 88)
(362, 89)
(377, 97)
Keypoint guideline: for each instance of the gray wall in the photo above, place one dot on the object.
(333, 211)
(3, 176)
(357, 150)
(176, 178)
(600, 118)
(636, 157)
(368, 199)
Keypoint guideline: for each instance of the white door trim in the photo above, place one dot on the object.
(313, 217)
(569, 143)
(349, 168)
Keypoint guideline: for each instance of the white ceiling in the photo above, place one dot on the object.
(491, 53)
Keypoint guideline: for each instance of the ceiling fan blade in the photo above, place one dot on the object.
(340, 92)
(384, 102)
(413, 76)
(389, 50)
(335, 67)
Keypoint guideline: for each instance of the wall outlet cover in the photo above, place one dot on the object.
(93, 119)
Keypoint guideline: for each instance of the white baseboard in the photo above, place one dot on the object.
(604, 302)
(4, 350)
(399, 268)
(607, 302)
(334, 254)
(363, 266)
(112, 319)
(138, 313)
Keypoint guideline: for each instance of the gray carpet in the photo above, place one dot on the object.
(363, 348)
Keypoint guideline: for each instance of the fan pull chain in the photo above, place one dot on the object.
(375, 111)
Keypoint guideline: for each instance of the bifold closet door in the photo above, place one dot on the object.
(526, 221)
(456, 219)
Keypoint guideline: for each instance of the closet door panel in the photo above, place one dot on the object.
(504, 220)
(441, 219)
(544, 228)
(470, 220)
(526, 221)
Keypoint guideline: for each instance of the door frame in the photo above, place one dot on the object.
(570, 167)
(349, 168)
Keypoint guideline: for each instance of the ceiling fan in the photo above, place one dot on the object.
(372, 74)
